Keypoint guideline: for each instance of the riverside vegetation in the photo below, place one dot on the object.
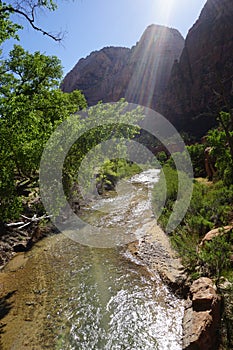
(210, 207)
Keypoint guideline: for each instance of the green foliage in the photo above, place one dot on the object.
(163, 202)
(31, 106)
(212, 259)
(221, 143)
(100, 121)
(197, 155)
(186, 244)
(210, 206)
(113, 170)
(27, 73)
(214, 256)
(161, 157)
(8, 29)
(119, 168)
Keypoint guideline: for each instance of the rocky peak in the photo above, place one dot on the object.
(139, 74)
(150, 64)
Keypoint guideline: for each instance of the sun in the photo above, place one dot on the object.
(164, 10)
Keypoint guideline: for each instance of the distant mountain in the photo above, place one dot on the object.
(187, 81)
(139, 74)
(201, 82)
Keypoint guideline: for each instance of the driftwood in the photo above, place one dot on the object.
(21, 224)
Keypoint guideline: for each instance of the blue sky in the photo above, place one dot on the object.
(90, 25)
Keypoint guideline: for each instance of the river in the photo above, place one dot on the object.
(66, 295)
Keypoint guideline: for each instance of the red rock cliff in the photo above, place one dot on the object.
(139, 74)
(202, 79)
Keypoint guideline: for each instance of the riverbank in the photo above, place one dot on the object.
(202, 311)
(13, 241)
(155, 252)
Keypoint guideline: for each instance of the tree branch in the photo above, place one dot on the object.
(31, 21)
(29, 221)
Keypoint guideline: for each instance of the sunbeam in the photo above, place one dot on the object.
(151, 63)
(164, 9)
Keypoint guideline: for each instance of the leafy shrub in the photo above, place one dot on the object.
(113, 170)
(210, 206)
(186, 245)
(221, 142)
(161, 157)
(197, 155)
(214, 256)
(164, 195)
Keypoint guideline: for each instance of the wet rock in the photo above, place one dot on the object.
(202, 316)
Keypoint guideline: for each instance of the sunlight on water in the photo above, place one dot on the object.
(114, 304)
(73, 297)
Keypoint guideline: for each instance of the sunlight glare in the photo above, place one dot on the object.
(164, 9)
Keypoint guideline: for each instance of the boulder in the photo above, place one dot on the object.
(216, 232)
(202, 316)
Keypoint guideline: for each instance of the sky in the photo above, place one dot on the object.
(89, 25)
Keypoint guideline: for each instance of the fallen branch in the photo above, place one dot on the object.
(30, 221)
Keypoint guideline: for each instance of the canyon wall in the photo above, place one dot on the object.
(139, 74)
(200, 84)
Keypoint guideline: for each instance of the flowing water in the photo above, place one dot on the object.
(65, 295)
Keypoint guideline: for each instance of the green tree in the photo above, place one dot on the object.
(197, 155)
(31, 107)
(115, 122)
(31, 103)
(221, 142)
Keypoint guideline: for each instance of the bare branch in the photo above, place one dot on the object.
(29, 221)
(15, 223)
(31, 21)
